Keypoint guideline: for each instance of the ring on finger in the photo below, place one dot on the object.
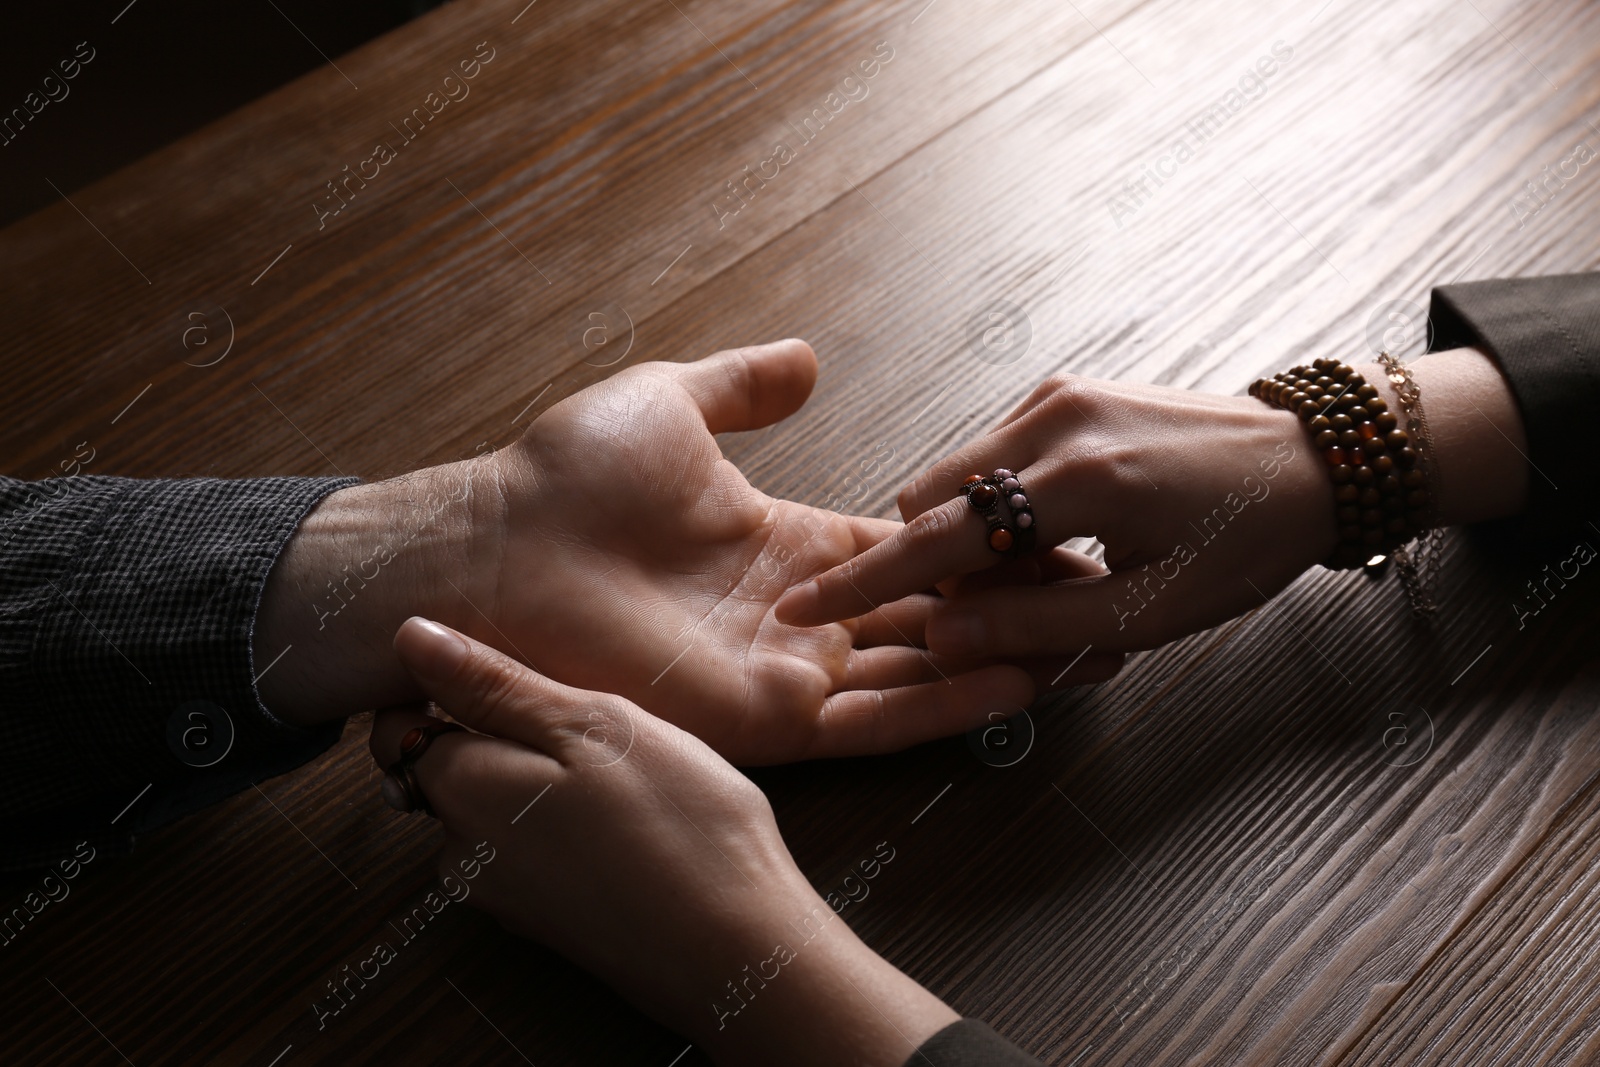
(401, 790)
(1002, 503)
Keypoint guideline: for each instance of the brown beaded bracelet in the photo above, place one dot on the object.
(1380, 490)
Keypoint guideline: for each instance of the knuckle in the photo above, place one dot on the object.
(943, 481)
(878, 721)
(599, 725)
(1060, 381)
(1067, 395)
(906, 500)
(841, 581)
(928, 490)
(733, 377)
(1110, 470)
(930, 529)
(497, 688)
(1071, 392)
(1094, 467)
(740, 380)
(641, 372)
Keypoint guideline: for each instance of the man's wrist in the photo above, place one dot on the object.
(362, 561)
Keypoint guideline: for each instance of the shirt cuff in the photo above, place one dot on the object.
(127, 612)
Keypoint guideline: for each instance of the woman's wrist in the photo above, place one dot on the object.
(817, 996)
(1477, 465)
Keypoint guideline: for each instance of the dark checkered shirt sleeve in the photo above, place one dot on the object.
(127, 608)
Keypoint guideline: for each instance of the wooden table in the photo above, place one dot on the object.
(1225, 855)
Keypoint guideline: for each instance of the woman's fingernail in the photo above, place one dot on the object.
(797, 602)
(957, 632)
(437, 651)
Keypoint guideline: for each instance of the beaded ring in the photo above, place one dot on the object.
(400, 787)
(1380, 489)
(1013, 532)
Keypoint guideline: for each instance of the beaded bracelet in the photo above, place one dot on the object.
(1380, 490)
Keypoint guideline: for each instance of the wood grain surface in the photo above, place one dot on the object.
(1225, 855)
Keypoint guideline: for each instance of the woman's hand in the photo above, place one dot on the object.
(1207, 506)
(634, 850)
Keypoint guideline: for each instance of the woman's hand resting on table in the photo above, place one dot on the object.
(631, 848)
(1207, 506)
(613, 547)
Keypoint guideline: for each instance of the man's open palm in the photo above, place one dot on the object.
(636, 559)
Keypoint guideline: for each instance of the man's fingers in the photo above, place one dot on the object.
(1056, 564)
(1063, 564)
(868, 532)
(904, 621)
(748, 388)
(897, 623)
(946, 541)
(1046, 620)
(888, 667)
(866, 721)
(491, 692)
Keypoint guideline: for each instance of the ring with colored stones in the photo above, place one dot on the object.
(1002, 503)
(400, 787)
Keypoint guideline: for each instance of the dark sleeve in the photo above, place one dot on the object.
(969, 1043)
(1545, 335)
(127, 609)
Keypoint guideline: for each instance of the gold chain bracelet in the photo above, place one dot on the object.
(1418, 561)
